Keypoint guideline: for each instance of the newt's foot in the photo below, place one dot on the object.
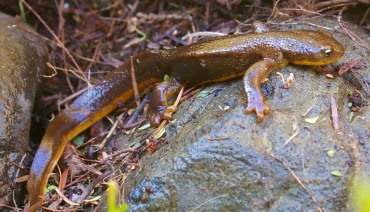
(261, 108)
(162, 114)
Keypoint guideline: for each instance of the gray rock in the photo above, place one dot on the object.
(22, 59)
(219, 159)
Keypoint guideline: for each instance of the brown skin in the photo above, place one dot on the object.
(212, 60)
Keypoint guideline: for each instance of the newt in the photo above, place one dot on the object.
(252, 56)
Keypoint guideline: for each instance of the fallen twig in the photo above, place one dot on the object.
(334, 112)
(91, 186)
(343, 69)
(298, 180)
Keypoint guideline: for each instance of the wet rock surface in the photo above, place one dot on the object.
(218, 158)
(22, 60)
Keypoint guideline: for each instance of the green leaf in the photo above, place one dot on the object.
(128, 132)
(351, 114)
(112, 198)
(361, 194)
(331, 153)
(362, 96)
(111, 194)
(349, 104)
(337, 173)
(312, 120)
(21, 8)
(144, 127)
(160, 133)
(203, 94)
(166, 77)
(78, 140)
(51, 188)
(93, 199)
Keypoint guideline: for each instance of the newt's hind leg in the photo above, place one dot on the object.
(158, 107)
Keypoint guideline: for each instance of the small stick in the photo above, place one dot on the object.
(190, 94)
(72, 96)
(134, 83)
(334, 112)
(129, 150)
(298, 181)
(349, 65)
(136, 114)
(218, 139)
(65, 198)
(110, 133)
(92, 186)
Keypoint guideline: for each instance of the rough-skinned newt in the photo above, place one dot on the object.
(252, 56)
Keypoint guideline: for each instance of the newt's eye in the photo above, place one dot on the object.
(328, 52)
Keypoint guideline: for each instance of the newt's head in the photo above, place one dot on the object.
(314, 48)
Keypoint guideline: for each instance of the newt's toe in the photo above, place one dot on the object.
(171, 109)
(166, 116)
(155, 121)
(158, 117)
(260, 108)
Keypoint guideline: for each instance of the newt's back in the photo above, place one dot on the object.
(226, 57)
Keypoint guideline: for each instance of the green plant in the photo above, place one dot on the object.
(112, 198)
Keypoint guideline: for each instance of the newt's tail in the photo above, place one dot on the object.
(90, 107)
(48, 154)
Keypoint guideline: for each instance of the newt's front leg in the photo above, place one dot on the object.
(158, 107)
(252, 81)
